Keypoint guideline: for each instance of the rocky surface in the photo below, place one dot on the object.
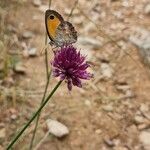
(110, 112)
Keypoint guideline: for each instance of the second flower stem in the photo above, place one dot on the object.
(33, 117)
(38, 117)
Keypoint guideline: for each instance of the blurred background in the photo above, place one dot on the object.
(110, 112)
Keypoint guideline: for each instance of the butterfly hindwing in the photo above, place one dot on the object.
(66, 34)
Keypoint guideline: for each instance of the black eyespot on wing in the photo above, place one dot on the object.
(54, 13)
(48, 13)
(51, 17)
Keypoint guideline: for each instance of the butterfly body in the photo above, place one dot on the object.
(59, 31)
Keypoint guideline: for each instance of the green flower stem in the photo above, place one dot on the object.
(33, 117)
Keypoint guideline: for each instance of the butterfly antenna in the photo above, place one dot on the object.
(49, 5)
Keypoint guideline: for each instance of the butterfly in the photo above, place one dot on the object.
(60, 32)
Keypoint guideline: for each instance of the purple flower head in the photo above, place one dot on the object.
(70, 65)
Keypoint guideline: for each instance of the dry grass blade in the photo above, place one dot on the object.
(73, 8)
(41, 141)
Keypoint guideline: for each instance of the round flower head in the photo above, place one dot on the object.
(70, 65)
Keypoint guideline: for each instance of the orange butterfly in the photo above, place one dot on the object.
(59, 31)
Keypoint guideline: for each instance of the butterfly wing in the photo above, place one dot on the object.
(52, 20)
(65, 34)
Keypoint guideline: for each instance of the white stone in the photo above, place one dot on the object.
(32, 52)
(98, 131)
(106, 70)
(145, 139)
(139, 119)
(142, 40)
(36, 3)
(87, 103)
(19, 68)
(56, 128)
(27, 34)
(108, 108)
(147, 9)
(144, 108)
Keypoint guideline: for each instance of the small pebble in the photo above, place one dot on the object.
(27, 34)
(37, 3)
(106, 70)
(13, 116)
(87, 103)
(32, 52)
(139, 119)
(109, 142)
(144, 108)
(98, 131)
(56, 128)
(144, 126)
(19, 68)
(144, 138)
(147, 9)
(108, 108)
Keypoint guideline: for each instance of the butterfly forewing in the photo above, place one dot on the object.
(52, 21)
